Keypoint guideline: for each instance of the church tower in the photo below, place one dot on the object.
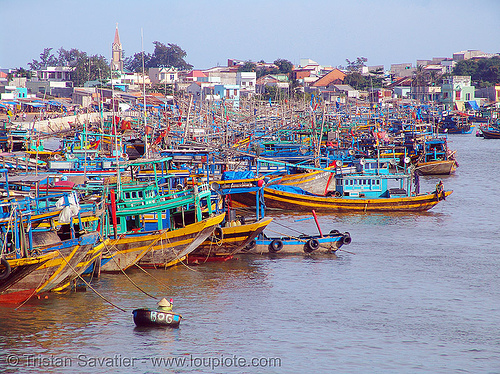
(117, 53)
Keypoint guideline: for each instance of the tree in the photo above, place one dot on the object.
(134, 63)
(355, 66)
(355, 80)
(248, 66)
(68, 57)
(19, 72)
(169, 56)
(88, 68)
(46, 59)
(484, 72)
(284, 66)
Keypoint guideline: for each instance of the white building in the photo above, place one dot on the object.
(163, 75)
(247, 82)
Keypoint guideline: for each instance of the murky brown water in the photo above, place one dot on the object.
(421, 294)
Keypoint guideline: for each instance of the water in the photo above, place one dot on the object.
(421, 294)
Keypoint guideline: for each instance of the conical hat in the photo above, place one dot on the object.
(164, 302)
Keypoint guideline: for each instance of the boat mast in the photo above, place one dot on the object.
(146, 151)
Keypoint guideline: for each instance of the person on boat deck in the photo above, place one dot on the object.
(165, 305)
(440, 190)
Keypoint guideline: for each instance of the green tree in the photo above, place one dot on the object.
(483, 72)
(89, 68)
(19, 72)
(284, 66)
(169, 56)
(355, 66)
(46, 59)
(68, 57)
(357, 81)
(248, 66)
(134, 63)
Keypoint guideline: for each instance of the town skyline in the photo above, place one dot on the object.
(328, 32)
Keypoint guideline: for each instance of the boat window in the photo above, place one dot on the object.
(141, 194)
(127, 195)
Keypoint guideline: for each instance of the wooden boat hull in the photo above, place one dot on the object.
(180, 243)
(233, 239)
(275, 199)
(57, 272)
(299, 245)
(22, 267)
(490, 134)
(156, 318)
(316, 182)
(436, 167)
(156, 249)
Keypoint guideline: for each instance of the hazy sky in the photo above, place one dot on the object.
(327, 31)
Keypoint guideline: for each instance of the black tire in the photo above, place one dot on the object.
(337, 194)
(335, 232)
(217, 235)
(311, 245)
(275, 246)
(4, 274)
(347, 238)
(250, 245)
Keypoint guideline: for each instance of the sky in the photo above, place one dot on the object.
(211, 32)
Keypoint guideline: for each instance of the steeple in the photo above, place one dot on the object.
(117, 37)
(117, 52)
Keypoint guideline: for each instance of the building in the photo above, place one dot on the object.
(335, 76)
(247, 82)
(402, 70)
(163, 75)
(116, 53)
(456, 91)
(491, 93)
(200, 90)
(272, 80)
(53, 81)
(229, 92)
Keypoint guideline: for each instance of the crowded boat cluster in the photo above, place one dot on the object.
(190, 183)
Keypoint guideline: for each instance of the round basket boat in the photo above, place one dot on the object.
(156, 318)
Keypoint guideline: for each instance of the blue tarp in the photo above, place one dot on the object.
(232, 175)
(473, 105)
(291, 189)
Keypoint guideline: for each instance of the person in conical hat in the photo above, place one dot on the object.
(165, 305)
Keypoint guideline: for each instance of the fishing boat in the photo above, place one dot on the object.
(490, 132)
(228, 240)
(435, 158)
(373, 188)
(139, 222)
(42, 261)
(301, 244)
(261, 243)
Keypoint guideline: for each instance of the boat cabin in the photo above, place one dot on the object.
(373, 178)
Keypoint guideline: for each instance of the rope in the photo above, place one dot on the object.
(34, 292)
(88, 284)
(151, 275)
(123, 271)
